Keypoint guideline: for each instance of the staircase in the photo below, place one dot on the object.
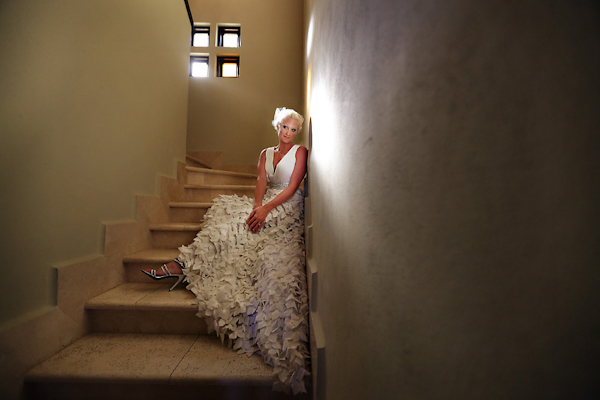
(146, 342)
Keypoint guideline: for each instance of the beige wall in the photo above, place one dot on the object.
(455, 189)
(93, 106)
(233, 115)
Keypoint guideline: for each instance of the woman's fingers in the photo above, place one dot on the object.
(255, 225)
(255, 221)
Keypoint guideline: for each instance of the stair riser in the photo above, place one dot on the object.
(205, 195)
(122, 390)
(202, 178)
(147, 321)
(180, 214)
(172, 239)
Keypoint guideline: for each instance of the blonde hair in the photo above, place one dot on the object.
(284, 113)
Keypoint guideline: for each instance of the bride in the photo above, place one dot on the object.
(246, 266)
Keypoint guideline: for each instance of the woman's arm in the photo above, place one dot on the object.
(261, 181)
(259, 214)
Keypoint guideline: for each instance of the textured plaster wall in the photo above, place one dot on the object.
(455, 188)
(233, 115)
(93, 106)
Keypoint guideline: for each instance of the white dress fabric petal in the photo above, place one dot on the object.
(251, 288)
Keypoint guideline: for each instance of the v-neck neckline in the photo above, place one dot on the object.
(275, 165)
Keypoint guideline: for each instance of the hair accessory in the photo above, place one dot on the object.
(282, 113)
(278, 112)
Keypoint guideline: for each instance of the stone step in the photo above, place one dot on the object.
(147, 259)
(193, 161)
(205, 176)
(206, 193)
(188, 211)
(146, 308)
(149, 366)
(174, 234)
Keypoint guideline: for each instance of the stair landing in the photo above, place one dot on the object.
(150, 367)
(140, 350)
(147, 343)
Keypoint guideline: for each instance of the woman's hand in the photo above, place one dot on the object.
(257, 217)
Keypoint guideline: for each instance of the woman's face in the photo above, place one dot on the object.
(288, 129)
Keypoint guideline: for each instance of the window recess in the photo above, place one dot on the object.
(229, 36)
(228, 66)
(201, 36)
(199, 66)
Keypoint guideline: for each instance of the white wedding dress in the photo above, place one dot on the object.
(251, 288)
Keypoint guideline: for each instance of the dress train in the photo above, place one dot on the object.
(251, 288)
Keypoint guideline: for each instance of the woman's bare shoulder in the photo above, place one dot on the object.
(302, 149)
(263, 152)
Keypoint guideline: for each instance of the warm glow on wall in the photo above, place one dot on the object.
(228, 66)
(229, 70)
(308, 89)
(324, 128)
(309, 37)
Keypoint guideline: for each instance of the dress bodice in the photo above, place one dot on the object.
(279, 177)
(283, 172)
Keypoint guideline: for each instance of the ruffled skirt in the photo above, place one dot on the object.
(251, 288)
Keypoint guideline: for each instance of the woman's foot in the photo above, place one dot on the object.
(173, 269)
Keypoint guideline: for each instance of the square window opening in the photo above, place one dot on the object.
(228, 66)
(199, 66)
(201, 36)
(229, 36)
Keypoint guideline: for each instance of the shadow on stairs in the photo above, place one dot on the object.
(147, 342)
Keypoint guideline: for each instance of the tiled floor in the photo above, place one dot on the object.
(157, 358)
(106, 356)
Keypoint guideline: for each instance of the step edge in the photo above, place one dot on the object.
(220, 172)
(32, 377)
(196, 160)
(217, 187)
(190, 204)
(141, 307)
(176, 227)
(151, 255)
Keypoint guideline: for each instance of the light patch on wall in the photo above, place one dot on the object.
(309, 36)
(323, 118)
(308, 90)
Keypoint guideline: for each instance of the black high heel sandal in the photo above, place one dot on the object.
(166, 273)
